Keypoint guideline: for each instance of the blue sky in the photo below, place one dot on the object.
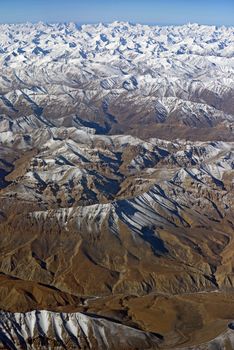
(144, 11)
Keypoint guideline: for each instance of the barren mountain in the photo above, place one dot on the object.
(116, 186)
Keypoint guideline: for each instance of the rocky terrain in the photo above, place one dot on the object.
(116, 186)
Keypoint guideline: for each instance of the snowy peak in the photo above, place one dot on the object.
(178, 80)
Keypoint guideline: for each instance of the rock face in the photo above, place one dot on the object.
(116, 185)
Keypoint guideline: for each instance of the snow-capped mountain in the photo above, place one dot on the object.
(176, 81)
(69, 331)
(116, 186)
(78, 331)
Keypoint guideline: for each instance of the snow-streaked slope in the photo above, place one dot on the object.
(95, 189)
(71, 167)
(48, 330)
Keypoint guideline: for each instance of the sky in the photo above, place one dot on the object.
(218, 12)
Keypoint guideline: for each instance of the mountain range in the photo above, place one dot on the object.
(116, 186)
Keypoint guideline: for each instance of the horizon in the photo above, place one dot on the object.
(111, 22)
(149, 12)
